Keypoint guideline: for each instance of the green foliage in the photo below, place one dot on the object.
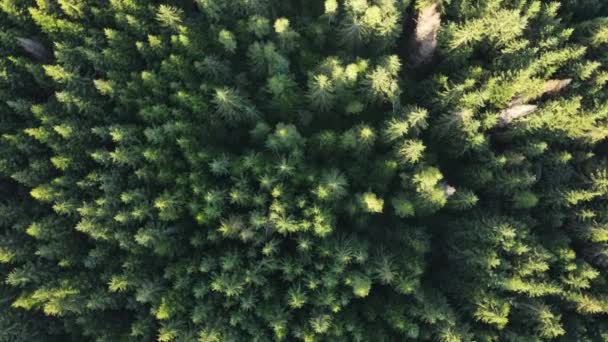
(169, 16)
(525, 200)
(226, 38)
(371, 203)
(331, 170)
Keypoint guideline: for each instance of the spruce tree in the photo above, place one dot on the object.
(336, 170)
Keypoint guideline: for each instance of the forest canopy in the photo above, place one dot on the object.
(303, 170)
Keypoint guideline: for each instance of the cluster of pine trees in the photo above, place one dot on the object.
(303, 170)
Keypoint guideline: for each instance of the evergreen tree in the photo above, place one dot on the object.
(336, 170)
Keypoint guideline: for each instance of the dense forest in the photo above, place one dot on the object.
(303, 170)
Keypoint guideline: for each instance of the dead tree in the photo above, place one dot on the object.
(515, 112)
(518, 109)
(424, 42)
(448, 190)
(553, 87)
(34, 48)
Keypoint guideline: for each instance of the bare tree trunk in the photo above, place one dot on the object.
(514, 112)
(34, 48)
(424, 42)
(554, 86)
(518, 109)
